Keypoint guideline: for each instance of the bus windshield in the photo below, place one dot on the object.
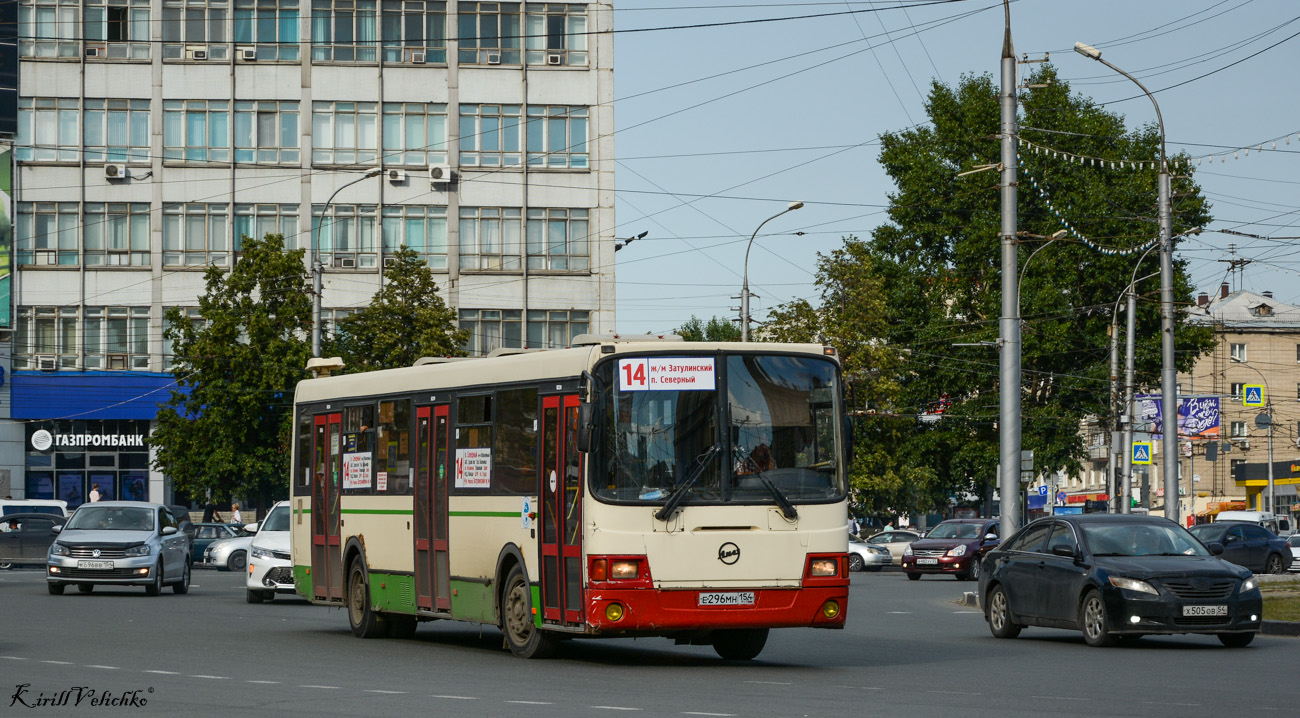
(764, 425)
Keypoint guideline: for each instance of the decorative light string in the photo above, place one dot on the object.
(1121, 164)
(1065, 224)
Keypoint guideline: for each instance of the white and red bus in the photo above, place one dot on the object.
(622, 487)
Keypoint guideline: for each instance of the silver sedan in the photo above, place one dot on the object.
(228, 554)
(866, 557)
(120, 543)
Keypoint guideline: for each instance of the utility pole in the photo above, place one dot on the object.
(1009, 324)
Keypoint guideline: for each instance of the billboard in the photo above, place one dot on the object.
(1198, 416)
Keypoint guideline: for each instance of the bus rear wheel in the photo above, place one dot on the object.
(739, 644)
(365, 622)
(523, 637)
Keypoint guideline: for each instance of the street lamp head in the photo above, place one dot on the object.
(374, 172)
(1060, 233)
(1087, 50)
(795, 205)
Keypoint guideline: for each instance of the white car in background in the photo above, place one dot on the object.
(270, 567)
(228, 554)
(1293, 541)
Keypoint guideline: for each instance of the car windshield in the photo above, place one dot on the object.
(112, 518)
(766, 425)
(1141, 539)
(955, 531)
(1293, 540)
(277, 520)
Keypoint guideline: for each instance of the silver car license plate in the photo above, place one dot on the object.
(97, 565)
(927, 561)
(727, 598)
(1205, 610)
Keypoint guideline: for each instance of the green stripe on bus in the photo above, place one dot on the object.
(497, 514)
(383, 511)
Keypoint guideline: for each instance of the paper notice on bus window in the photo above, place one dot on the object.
(666, 374)
(381, 480)
(474, 468)
(356, 470)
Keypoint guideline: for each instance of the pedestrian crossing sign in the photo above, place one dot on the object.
(1141, 452)
(1252, 395)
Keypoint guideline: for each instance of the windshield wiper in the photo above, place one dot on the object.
(679, 492)
(787, 509)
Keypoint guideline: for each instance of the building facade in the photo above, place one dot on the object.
(155, 134)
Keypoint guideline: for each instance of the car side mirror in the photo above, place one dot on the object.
(1063, 550)
(56, 529)
(1215, 548)
(990, 536)
(168, 530)
(251, 528)
(586, 426)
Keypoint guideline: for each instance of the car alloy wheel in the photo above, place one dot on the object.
(1274, 565)
(1093, 619)
(856, 563)
(156, 587)
(1000, 615)
(184, 586)
(238, 561)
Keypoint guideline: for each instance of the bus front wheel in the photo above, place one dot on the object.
(739, 644)
(365, 622)
(523, 637)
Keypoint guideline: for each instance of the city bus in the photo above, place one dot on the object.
(621, 487)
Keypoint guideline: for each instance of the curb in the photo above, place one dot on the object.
(968, 599)
(1280, 628)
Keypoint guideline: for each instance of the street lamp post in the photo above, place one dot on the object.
(744, 287)
(1168, 377)
(317, 269)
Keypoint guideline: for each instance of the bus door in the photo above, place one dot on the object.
(561, 511)
(432, 567)
(327, 454)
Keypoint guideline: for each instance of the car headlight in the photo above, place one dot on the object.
(957, 550)
(1250, 584)
(141, 550)
(262, 553)
(907, 550)
(877, 549)
(58, 549)
(1132, 584)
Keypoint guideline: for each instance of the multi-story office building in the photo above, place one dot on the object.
(155, 134)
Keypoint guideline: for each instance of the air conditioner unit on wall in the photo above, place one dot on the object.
(494, 58)
(96, 50)
(417, 58)
(396, 176)
(115, 171)
(441, 174)
(196, 52)
(117, 362)
(345, 262)
(47, 362)
(248, 54)
(390, 262)
(554, 58)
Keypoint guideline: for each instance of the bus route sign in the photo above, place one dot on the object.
(666, 374)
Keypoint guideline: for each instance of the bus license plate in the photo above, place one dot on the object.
(100, 565)
(727, 598)
(927, 562)
(1205, 610)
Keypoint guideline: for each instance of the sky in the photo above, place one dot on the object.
(719, 128)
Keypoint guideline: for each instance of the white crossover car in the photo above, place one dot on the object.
(270, 568)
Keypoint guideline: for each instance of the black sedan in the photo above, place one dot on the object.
(1117, 576)
(1247, 544)
(26, 538)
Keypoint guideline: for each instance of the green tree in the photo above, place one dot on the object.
(406, 320)
(939, 259)
(716, 330)
(225, 431)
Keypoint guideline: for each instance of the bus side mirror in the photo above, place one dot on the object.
(848, 443)
(586, 426)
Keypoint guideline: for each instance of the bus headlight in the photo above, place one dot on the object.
(614, 611)
(824, 567)
(623, 570)
(831, 609)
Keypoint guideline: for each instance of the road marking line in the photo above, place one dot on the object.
(1167, 703)
(1061, 698)
(376, 690)
(13, 658)
(59, 663)
(771, 683)
(213, 678)
(698, 713)
(332, 688)
(107, 668)
(957, 693)
(615, 708)
(532, 703)
(901, 613)
(266, 683)
(457, 698)
(861, 688)
(974, 613)
(165, 673)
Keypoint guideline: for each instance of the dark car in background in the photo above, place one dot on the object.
(1116, 576)
(204, 535)
(26, 538)
(1247, 544)
(952, 547)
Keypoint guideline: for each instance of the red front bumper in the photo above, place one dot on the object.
(945, 564)
(654, 610)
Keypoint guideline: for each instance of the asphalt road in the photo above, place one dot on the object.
(909, 649)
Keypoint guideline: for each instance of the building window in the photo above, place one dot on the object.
(117, 29)
(343, 31)
(47, 233)
(196, 235)
(47, 130)
(489, 33)
(330, 318)
(266, 132)
(49, 28)
(191, 314)
(557, 240)
(195, 22)
(491, 329)
(117, 234)
(419, 228)
(556, 329)
(196, 130)
(117, 130)
(415, 133)
(1239, 429)
(271, 26)
(413, 29)
(1238, 352)
(259, 220)
(489, 238)
(1297, 353)
(557, 136)
(491, 136)
(1237, 390)
(346, 236)
(344, 133)
(1234, 466)
(49, 333)
(557, 34)
(117, 338)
